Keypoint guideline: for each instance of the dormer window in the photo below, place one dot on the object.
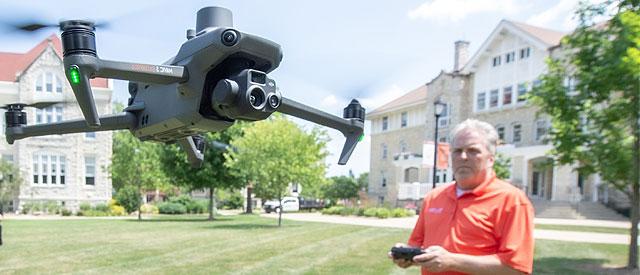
(46, 82)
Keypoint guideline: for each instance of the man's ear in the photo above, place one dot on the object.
(491, 161)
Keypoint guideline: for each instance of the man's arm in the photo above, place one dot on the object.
(438, 259)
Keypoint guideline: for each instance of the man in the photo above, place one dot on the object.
(477, 224)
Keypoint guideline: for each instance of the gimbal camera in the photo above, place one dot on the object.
(219, 75)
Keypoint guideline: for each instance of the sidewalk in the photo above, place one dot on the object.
(543, 234)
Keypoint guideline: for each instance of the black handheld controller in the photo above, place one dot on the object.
(406, 253)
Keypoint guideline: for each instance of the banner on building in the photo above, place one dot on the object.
(428, 151)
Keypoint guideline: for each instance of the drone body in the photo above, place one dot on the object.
(219, 75)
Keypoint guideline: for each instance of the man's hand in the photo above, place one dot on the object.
(400, 262)
(436, 259)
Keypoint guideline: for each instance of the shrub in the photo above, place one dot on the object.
(116, 210)
(51, 207)
(27, 207)
(129, 198)
(195, 207)
(65, 212)
(149, 209)
(383, 213)
(93, 213)
(234, 201)
(85, 206)
(182, 199)
(398, 213)
(370, 212)
(102, 207)
(171, 208)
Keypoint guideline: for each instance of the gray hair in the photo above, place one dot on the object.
(485, 129)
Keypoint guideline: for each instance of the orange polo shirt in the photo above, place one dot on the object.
(495, 218)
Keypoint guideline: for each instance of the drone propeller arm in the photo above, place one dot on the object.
(120, 121)
(351, 128)
(159, 74)
(194, 155)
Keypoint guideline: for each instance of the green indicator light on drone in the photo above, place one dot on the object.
(361, 138)
(74, 74)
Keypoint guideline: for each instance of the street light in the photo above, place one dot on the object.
(438, 108)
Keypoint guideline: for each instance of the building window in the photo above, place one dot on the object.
(48, 81)
(524, 53)
(403, 119)
(441, 175)
(89, 170)
(7, 158)
(481, 101)
(493, 99)
(53, 165)
(403, 146)
(36, 168)
(541, 129)
(62, 169)
(522, 92)
(44, 168)
(536, 83)
(49, 114)
(517, 133)
(385, 123)
(384, 151)
(384, 181)
(445, 116)
(496, 61)
(39, 83)
(510, 57)
(90, 135)
(58, 85)
(507, 95)
(570, 84)
(500, 130)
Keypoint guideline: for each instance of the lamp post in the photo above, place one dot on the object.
(438, 108)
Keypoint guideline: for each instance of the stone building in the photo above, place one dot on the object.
(67, 169)
(490, 86)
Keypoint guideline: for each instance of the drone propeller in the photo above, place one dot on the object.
(38, 105)
(34, 26)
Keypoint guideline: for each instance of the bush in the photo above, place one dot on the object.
(65, 212)
(171, 208)
(27, 207)
(116, 210)
(129, 198)
(93, 213)
(234, 201)
(195, 207)
(383, 213)
(52, 207)
(149, 209)
(398, 213)
(85, 206)
(182, 199)
(370, 212)
(102, 207)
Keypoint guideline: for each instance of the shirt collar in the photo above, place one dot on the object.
(480, 189)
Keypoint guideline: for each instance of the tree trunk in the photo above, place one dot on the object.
(635, 184)
(280, 213)
(249, 200)
(211, 203)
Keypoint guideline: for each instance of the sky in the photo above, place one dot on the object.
(334, 51)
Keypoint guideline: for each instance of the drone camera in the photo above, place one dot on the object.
(257, 97)
(248, 95)
(230, 37)
(274, 101)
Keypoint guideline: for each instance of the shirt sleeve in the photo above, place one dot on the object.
(417, 236)
(516, 238)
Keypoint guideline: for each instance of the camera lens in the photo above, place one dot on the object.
(256, 98)
(229, 37)
(274, 101)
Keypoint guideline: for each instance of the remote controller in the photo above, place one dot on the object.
(406, 253)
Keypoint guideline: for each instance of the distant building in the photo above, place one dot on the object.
(490, 86)
(68, 169)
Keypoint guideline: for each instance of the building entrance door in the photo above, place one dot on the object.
(538, 185)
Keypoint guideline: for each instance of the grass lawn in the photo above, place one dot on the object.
(238, 245)
(580, 228)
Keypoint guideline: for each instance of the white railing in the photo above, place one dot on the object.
(414, 190)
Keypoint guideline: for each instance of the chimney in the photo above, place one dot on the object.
(461, 55)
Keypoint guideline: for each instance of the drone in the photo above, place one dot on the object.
(218, 76)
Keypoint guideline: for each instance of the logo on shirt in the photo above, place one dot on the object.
(435, 210)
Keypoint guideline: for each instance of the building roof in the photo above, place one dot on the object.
(419, 95)
(548, 36)
(14, 64)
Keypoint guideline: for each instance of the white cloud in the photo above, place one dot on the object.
(385, 96)
(559, 15)
(330, 101)
(456, 10)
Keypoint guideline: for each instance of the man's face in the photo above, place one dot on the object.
(472, 161)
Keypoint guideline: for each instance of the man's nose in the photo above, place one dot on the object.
(463, 155)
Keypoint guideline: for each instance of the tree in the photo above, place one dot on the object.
(10, 182)
(363, 181)
(595, 118)
(342, 188)
(274, 153)
(502, 166)
(136, 163)
(213, 174)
